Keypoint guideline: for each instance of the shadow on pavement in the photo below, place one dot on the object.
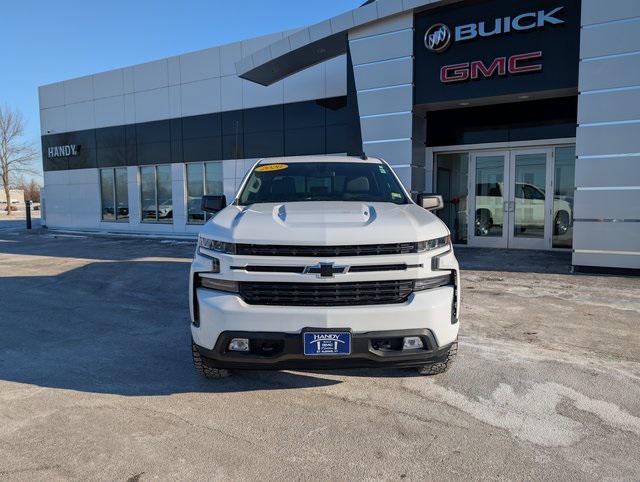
(113, 318)
(514, 260)
(42, 242)
(118, 327)
(13, 223)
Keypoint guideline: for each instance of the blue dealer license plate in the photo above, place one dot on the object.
(327, 343)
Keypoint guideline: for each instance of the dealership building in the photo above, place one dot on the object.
(524, 115)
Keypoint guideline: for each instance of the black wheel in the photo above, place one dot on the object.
(483, 222)
(562, 223)
(203, 368)
(441, 366)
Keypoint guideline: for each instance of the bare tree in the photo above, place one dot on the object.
(16, 155)
(31, 189)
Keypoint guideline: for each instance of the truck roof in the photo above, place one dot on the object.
(326, 158)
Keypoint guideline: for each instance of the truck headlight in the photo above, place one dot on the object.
(219, 284)
(432, 244)
(215, 245)
(435, 282)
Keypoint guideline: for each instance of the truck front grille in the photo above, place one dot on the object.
(366, 268)
(325, 251)
(326, 294)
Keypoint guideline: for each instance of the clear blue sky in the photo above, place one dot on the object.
(50, 41)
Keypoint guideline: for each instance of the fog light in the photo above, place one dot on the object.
(412, 343)
(239, 344)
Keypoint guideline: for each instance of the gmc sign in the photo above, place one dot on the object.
(516, 64)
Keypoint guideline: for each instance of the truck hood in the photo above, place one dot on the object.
(324, 224)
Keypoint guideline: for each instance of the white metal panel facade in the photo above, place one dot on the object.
(202, 82)
(382, 55)
(607, 202)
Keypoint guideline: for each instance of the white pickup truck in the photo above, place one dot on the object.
(323, 263)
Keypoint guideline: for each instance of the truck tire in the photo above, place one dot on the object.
(483, 222)
(441, 366)
(562, 223)
(203, 368)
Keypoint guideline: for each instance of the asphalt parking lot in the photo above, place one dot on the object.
(96, 380)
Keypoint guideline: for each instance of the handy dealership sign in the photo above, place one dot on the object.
(501, 41)
(69, 150)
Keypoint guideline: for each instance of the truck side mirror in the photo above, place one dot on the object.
(429, 201)
(213, 204)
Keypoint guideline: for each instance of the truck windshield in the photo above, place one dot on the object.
(322, 181)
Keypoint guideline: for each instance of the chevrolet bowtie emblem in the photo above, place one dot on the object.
(326, 270)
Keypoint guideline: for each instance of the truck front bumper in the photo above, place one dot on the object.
(222, 316)
(284, 351)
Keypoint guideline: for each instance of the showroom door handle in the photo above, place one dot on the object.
(509, 206)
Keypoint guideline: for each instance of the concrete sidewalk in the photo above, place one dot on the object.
(17, 221)
(96, 380)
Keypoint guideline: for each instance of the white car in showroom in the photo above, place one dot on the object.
(529, 206)
(323, 263)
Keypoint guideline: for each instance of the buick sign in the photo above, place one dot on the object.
(438, 38)
(63, 151)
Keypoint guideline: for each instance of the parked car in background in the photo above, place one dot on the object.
(529, 205)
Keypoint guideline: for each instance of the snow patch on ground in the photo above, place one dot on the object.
(532, 415)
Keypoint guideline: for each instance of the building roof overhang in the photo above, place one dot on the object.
(317, 43)
(289, 63)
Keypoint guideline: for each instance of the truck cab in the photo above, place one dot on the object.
(323, 263)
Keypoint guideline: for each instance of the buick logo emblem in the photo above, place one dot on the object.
(438, 38)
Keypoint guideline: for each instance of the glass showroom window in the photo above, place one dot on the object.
(114, 194)
(452, 176)
(564, 182)
(156, 194)
(203, 178)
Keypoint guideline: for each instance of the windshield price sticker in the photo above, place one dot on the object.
(272, 167)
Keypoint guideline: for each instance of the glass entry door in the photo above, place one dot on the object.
(529, 204)
(489, 199)
(518, 198)
(508, 199)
